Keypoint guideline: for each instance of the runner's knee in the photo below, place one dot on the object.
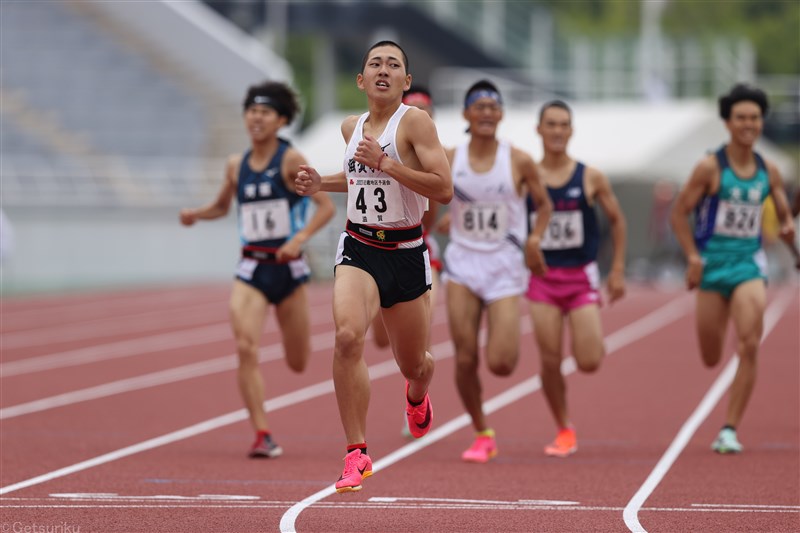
(503, 367)
(297, 364)
(748, 345)
(413, 370)
(349, 344)
(588, 366)
(247, 349)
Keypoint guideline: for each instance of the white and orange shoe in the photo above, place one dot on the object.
(566, 444)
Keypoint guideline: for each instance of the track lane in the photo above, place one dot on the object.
(618, 454)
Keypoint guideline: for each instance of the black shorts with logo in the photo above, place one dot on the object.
(402, 274)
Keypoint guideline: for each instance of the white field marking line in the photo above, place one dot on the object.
(746, 506)
(626, 335)
(376, 371)
(118, 349)
(34, 317)
(136, 323)
(367, 506)
(631, 513)
(138, 346)
(392, 499)
(268, 353)
(105, 327)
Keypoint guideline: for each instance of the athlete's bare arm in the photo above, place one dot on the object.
(529, 182)
(781, 203)
(601, 191)
(324, 208)
(222, 203)
(782, 210)
(796, 203)
(426, 170)
(309, 181)
(700, 183)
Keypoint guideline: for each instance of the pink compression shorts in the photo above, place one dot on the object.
(567, 287)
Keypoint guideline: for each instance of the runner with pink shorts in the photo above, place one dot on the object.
(569, 290)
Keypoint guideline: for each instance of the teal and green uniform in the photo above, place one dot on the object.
(728, 228)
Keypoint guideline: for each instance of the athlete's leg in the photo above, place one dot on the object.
(248, 309)
(435, 283)
(407, 324)
(379, 334)
(502, 346)
(548, 325)
(587, 337)
(748, 302)
(712, 322)
(355, 303)
(293, 319)
(464, 316)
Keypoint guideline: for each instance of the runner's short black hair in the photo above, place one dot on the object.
(384, 43)
(742, 92)
(277, 95)
(560, 104)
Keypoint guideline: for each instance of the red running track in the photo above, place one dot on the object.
(119, 412)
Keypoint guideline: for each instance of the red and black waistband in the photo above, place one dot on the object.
(383, 237)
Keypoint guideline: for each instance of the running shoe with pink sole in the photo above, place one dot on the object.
(419, 416)
(357, 467)
(483, 449)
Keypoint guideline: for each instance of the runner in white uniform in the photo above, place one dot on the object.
(485, 259)
(487, 219)
(393, 164)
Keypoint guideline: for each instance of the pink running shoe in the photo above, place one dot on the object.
(483, 449)
(419, 417)
(357, 466)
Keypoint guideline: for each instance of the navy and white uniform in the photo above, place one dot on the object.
(488, 228)
(570, 246)
(269, 215)
(384, 222)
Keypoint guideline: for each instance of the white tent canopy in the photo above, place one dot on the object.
(627, 141)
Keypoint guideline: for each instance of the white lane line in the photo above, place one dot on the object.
(115, 325)
(272, 352)
(138, 346)
(118, 349)
(386, 368)
(631, 513)
(746, 506)
(31, 318)
(204, 368)
(511, 506)
(626, 335)
(393, 499)
(139, 323)
(376, 371)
